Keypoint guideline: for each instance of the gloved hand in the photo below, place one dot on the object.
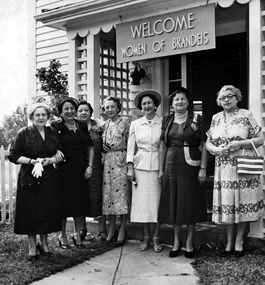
(37, 169)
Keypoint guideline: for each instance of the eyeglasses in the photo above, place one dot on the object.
(228, 97)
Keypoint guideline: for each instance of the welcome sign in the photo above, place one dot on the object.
(168, 34)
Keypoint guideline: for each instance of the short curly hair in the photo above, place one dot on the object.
(84, 102)
(235, 91)
(178, 91)
(115, 100)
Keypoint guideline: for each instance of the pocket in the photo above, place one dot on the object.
(30, 183)
(137, 158)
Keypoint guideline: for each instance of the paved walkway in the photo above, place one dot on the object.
(128, 266)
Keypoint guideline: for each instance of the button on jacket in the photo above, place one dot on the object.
(143, 143)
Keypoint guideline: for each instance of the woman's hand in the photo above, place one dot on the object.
(46, 161)
(234, 145)
(88, 172)
(223, 151)
(130, 174)
(202, 176)
(106, 147)
(160, 176)
(59, 156)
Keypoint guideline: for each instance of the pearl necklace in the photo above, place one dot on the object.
(71, 127)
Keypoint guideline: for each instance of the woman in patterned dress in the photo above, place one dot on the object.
(237, 199)
(84, 113)
(116, 188)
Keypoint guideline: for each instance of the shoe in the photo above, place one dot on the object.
(79, 246)
(226, 253)
(32, 258)
(175, 253)
(121, 242)
(103, 239)
(44, 253)
(63, 246)
(157, 245)
(239, 253)
(189, 254)
(145, 244)
(83, 234)
(113, 238)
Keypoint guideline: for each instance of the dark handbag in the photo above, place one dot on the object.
(250, 164)
(28, 181)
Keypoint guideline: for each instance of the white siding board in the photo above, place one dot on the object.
(52, 42)
(50, 35)
(52, 49)
(63, 61)
(50, 3)
(44, 29)
(51, 56)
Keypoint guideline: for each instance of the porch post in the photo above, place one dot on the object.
(93, 74)
(255, 75)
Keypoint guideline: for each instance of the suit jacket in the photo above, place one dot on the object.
(194, 133)
(67, 143)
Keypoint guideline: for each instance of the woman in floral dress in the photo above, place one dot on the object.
(237, 199)
(116, 190)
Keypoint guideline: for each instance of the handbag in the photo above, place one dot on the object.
(250, 164)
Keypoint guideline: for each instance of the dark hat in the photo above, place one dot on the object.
(67, 99)
(146, 93)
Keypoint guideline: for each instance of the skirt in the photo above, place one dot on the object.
(145, 197)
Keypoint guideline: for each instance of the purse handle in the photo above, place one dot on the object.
(257, 153)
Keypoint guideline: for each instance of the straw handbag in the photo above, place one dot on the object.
(250, 164)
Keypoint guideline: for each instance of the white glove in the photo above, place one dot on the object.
(37, 169)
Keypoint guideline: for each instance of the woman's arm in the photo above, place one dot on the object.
(217, 150)
(162, 157)
(257, 141)
(203, 166)
(89, 168)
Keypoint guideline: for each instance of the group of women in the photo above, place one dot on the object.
(152, 169)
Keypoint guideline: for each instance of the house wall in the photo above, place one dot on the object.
(50, 43)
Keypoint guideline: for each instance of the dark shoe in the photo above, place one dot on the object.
(175, 253)
(103, 238)
(79, 246)
(226, 253)
(44, 253)
(113, 238)
(189, 254)
(83, 234)
(63, 246)
(121, 242)
(32, 258)
(239, 253)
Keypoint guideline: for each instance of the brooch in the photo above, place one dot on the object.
(194, 126)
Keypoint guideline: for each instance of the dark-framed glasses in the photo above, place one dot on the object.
(228, 97)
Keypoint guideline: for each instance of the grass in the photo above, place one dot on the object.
(214, 270)
(17, 270)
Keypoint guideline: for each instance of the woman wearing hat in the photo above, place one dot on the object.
(38, 199)
(182, 170)
(142, 162)
(75, 169)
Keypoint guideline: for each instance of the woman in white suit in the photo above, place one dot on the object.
(142, 161)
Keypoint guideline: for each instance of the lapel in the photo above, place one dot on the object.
(189, 120)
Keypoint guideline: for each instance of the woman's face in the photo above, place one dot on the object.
(83, 113)
(180, 103)
(111, 109)
(228, 100)
(148, 106)
(68, 111)
(40, 117)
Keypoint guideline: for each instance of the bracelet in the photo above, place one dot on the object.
(29, 161)
(90, 165)
(203, 168)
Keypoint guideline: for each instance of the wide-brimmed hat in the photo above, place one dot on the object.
(147, 92)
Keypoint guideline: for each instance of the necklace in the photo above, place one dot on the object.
(71, 127)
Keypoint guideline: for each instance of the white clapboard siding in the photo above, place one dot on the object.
(50, 43)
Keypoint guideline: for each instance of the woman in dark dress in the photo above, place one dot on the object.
(38, 208)
(84, 113)
(182, 170)
(76, 168)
